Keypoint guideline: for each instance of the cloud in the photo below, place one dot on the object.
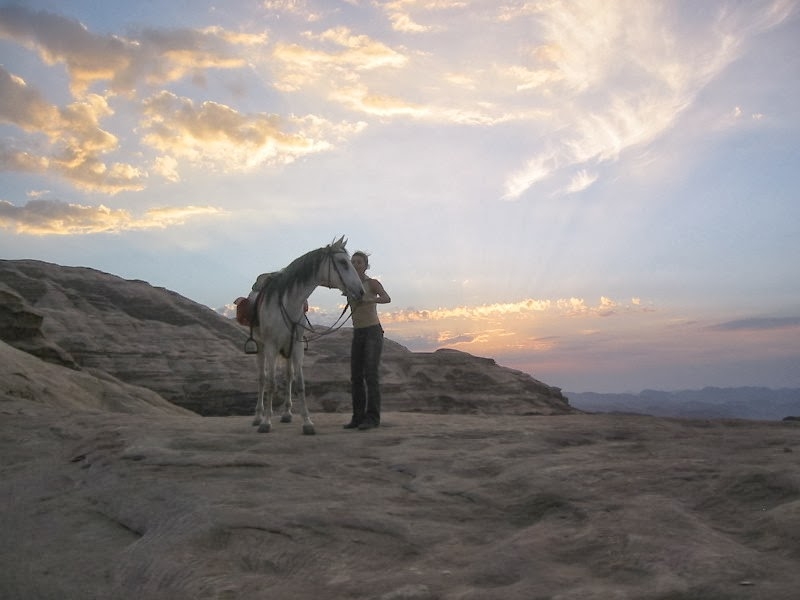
(217, 135)
(567, 307)
(77, 144)
(447, 338)
(758, 324)
(52, 217)
(155, 57)
(74, 142)
(581, 181)
(359, 98)
(339, 56)
(400, 12)
(292, 7)
(530, 325)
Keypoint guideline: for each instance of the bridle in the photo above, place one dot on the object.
(307, 326)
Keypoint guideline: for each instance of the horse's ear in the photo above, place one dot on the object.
(341, 242)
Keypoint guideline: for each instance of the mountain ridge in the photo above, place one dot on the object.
(711, 402)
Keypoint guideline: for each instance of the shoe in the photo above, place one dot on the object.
(352, 425)
(368, 425)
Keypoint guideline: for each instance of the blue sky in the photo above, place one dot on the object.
(601, 194)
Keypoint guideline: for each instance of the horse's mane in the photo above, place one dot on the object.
(301, 270)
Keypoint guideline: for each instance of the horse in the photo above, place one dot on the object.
(279, 332)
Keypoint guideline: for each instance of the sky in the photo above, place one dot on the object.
(601, 194)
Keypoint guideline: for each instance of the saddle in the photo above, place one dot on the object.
(246, 313)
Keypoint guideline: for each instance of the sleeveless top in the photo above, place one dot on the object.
(365, 314)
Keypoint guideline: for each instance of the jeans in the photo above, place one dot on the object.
(365, 359)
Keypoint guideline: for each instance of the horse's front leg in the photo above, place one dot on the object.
(308, 425)
(261, 365)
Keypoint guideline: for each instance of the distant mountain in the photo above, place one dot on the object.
(758, 403)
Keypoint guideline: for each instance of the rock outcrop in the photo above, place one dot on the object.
(22, 327)
(34, 386)
(193, 356)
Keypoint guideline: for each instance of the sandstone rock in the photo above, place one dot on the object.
(35, 387)
(192, 356)
(21, 327)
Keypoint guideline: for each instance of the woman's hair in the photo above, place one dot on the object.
(363, 255)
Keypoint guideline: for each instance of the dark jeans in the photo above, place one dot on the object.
(365, 359)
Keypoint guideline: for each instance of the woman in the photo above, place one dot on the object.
(365, 353)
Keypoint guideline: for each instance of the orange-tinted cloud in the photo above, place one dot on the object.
(155, 57)
(47, 217)
(567, 307)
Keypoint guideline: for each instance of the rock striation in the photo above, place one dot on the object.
(193, 356)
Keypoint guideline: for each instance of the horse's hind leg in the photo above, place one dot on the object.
(267, 385)
(286, 416)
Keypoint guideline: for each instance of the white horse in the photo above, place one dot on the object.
(280, 327)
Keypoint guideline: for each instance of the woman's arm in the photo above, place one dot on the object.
(381, 295)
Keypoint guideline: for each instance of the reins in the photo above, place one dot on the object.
(332, 329)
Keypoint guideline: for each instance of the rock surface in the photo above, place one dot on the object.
(153, 504)
(194, 357)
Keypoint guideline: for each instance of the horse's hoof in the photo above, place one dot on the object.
(308, 429)
(256, 421)
(286, 418)
(264, 428)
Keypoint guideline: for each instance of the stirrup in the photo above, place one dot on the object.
(251, 346)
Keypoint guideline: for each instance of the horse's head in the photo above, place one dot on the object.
(342, 273)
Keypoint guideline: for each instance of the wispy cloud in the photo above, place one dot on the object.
(619, 85)
(581, 181)
(49, 217)
(758, 324)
